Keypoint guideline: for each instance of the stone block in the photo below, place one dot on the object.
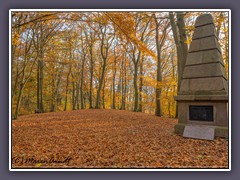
(204, 84)
(204, 19)
(185, 85)
(204, 31)
(202, 57)
(204, 70)
(203, 44)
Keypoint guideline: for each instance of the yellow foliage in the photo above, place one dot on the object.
(189, 40)
(16, 39)
(124, 24)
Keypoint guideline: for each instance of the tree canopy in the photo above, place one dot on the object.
(112, 60)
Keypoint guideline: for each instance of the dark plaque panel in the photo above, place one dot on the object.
(201, 113)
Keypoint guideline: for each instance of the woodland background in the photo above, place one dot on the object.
(109, 60)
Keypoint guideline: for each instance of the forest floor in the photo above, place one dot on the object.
(109, 139)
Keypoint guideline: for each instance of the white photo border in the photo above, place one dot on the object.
(119, 10)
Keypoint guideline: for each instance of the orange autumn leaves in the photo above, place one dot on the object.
(124, 24)
(111, 139)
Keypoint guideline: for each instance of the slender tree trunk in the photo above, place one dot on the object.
(124, 90)
(17, 75)
(168, 102)
(81, 85)
(56, 91)
(174, 79)
(118, 93)
(73, 94)
(123, 81)
(135, 77)
(158, 111)
(18, 101)
(97, 106)
(66, 93)
(38, 93)
(40, 108)
(77, 94)
(141, 86)
(53, 91)
(41, 87)
(91, 80)
(113, 84)
(104, 47)
(136, 64)
(23, 81)
(103, 94)
(183, 39)
(159, 44)
(15, 84)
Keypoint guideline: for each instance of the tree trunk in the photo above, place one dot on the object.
(81, 85)
(18, 101)
(103, 95)
(77, 94)
(73, 94)
(91, 79)
(159, 45)
(113, 84)
(183, 39)
(135, 87)
(66, 94)
(23, 81)
(140, 109)
(123, 81)
(179, 35)
(40, 107)
(97, 106)
(53, 91)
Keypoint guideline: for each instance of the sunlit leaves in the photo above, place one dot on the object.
(125, 25)
(16, 39)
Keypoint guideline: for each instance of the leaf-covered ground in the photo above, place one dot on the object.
(109, 139)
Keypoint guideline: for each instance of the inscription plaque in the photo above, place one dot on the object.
(199, 132)
(201, 113)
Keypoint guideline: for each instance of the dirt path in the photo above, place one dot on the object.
(109, 138)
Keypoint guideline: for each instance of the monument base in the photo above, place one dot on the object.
(203, 110)
(219, 130)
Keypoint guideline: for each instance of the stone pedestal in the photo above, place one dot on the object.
(203, 94)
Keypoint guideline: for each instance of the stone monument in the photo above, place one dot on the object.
(203, 94)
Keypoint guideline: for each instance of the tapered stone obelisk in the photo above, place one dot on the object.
(203, 94)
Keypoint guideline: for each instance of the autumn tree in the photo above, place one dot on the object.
(106, 39)
(160, 41)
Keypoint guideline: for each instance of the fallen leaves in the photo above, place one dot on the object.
(110, 139)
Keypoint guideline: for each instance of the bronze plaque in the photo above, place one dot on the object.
(201, 113)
